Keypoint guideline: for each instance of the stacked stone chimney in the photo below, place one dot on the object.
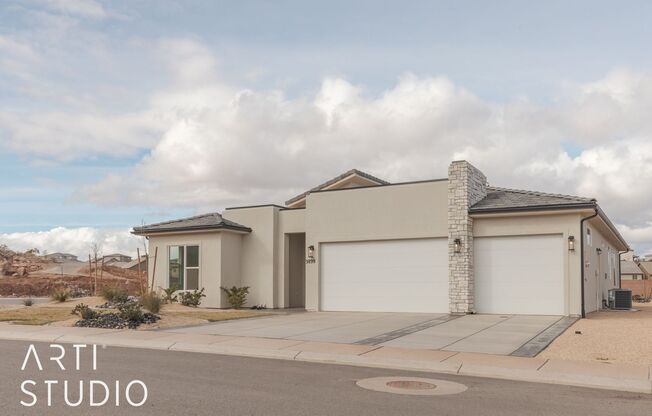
(466, 186)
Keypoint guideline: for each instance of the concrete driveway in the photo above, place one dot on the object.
(523, 335)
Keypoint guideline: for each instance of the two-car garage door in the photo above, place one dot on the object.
(513, 275)
(385, 276)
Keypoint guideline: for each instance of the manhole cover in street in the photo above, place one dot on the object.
(411, 385)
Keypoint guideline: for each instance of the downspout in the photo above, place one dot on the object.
(582, 238)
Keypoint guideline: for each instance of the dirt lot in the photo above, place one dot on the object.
(609, 336)
(58, 314)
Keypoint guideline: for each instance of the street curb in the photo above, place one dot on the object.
(443, 367)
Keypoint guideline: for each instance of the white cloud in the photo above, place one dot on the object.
(77, 241)
(16, 57)
(213, 144)
(67, 136)
(82, 8)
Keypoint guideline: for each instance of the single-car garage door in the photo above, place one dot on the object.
(385, 276)
(519, 275)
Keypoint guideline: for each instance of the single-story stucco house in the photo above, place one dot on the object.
(358, 243)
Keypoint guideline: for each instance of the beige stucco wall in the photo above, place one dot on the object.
(230, 263)
(600, 275)
(258, 253)
(543, 224)
(417, 210)
(211, 260)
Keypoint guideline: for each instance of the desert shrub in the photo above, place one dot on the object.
(84, 311)
(170, 296)
(237, 296)
(132, 312)
(151, 301)
(61, 295)
(192, 298)
(28, 302)
(115, 294)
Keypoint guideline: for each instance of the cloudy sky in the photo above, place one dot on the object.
(117, 113)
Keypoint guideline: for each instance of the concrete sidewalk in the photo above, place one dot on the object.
(584, 374)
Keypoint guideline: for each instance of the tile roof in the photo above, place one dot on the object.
(337, 179)
(629, 267)
(503, 199)
(210, 221)
(647, 265)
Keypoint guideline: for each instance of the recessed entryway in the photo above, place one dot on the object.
(296, 259)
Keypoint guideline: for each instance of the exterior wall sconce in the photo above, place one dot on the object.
(598, 250)
(311, 255)
(571, 243)
(457, 245)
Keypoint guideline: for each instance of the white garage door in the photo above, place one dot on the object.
(385, 276)
(519, 275)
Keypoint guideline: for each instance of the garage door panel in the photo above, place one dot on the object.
(385, 276)
(519, 275)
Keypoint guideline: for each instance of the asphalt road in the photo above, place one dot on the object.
(182, 383)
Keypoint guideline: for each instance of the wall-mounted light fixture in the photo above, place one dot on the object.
(598, 250)
(571, 243)
(457, 245)
(311, 254)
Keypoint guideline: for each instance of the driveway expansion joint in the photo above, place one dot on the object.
(544, 338)
(544, 363)
(411, 329)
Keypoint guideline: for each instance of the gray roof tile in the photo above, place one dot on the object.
(209, 221)
(629, 267)
(499, 199)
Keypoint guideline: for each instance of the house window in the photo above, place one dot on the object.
(183, 267)
(589, 240)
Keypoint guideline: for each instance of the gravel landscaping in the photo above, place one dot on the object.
(114, 321)
(608, 336)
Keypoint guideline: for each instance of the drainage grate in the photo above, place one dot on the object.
(411, 385)
(388, 336)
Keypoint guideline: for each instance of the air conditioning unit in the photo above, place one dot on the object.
(620, 299)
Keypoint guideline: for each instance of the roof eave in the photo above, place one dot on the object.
(145, 232)
(549, 207)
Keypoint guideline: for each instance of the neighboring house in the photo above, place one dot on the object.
(134, 264)
(61, 257)
(116, 258)
(359, 243)
(629, 256)
(636, 277)
(646, 267)
(629, 270)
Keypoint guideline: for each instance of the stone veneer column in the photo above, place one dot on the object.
(466, 186)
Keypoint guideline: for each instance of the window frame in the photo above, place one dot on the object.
(185, 267)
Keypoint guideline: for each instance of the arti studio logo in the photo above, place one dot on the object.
(94, 392)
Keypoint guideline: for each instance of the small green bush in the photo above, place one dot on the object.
(28, 302)
(170, 296)
(192, 298)
(115, 294)
(237, 296)
(152, 302)
(84, 311)
(61, 295)
(131, 311)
